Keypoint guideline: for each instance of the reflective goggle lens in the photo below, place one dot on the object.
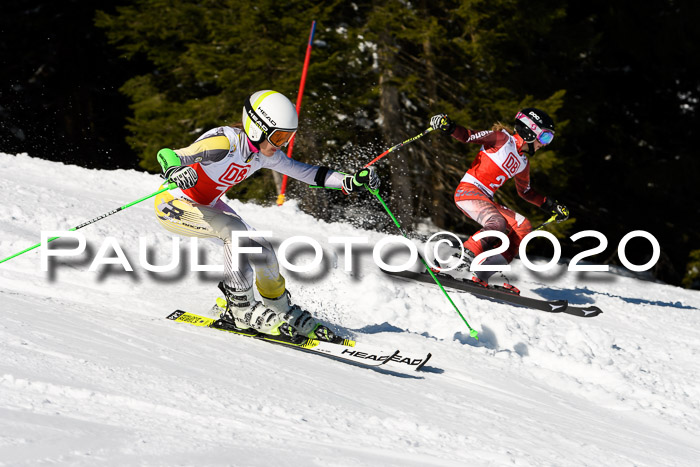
(280, 138)
(545, 137)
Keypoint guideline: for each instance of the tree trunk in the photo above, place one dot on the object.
(390, 115)
(434, 203)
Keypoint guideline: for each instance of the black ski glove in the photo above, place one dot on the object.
(444, 123)
(554, 208)
(184, 176)
(366, 176)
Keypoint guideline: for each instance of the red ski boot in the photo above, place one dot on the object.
(478, 281)
(510, 288)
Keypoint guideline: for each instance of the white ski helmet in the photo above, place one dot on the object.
(269, 115)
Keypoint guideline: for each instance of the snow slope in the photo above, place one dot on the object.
(92, 374)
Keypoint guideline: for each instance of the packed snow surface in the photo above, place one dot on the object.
(91, 372)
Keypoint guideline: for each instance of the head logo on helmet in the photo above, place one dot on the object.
(269, 115)
(534, 124)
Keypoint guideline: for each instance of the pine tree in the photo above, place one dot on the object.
(380, 69)
(465, 59)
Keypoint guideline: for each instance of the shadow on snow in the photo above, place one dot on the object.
(582, 296)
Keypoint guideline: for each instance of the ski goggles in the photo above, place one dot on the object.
(279, 137)
(544, 136)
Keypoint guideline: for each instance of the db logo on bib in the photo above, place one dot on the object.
(511, 164)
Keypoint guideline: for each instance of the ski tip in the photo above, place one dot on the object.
(590, 312)
(583, 312)
(422, 364)
(175, 315)
(557, 306)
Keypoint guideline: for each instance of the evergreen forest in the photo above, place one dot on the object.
(106, 84)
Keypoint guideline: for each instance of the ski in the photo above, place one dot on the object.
(550, 306)
(339, 349)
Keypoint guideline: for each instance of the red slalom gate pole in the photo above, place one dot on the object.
(290, 148)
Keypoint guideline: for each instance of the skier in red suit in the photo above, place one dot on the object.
(502, 156)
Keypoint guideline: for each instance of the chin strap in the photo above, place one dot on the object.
(531, 149)
(254, 149)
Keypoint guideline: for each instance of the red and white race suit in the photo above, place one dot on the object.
(500, 158)
(223, 157)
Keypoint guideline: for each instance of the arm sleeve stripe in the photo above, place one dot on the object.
(211, 149)
(320, 178)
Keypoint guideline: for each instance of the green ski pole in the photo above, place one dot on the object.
(472, 332)
(92, 221)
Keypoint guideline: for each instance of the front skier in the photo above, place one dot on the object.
(502, 156)
(204, 171)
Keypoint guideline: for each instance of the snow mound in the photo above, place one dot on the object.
(92, 374)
